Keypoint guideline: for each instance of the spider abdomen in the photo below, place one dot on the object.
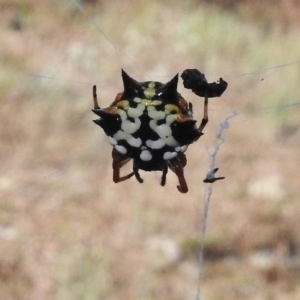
(148, 129)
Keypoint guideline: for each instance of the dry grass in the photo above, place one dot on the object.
(68, 232)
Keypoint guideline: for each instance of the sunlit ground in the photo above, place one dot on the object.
(68, 232)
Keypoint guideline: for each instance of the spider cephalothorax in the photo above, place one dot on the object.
(152, 124)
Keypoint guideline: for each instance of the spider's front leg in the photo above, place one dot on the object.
(96, 105)
(119, 160)
(205, 115)
(177, 165)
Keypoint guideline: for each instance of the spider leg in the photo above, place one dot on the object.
(96, 105)
(191, 108)
(205, 117)
(177, 165)
(137, 174)
(164, 176)
(119, 161)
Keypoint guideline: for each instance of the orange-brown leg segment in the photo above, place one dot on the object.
(205, 117)
(177, 165)
(119, 161)
(96, 105)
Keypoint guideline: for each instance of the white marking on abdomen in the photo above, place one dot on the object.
(131, 127)
(121, 149)
(155, 114)
(136, 112)
(184, 148)
(165, 133)
(112, 141)
(169, 155)
(122, 114)
(145, 155)
(155, 144)
(134, 142)
(121, 135)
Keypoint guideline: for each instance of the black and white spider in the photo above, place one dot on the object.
(152, 124)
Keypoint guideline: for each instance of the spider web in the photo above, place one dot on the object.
(224, 126)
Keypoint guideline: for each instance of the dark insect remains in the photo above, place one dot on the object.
(151, 124)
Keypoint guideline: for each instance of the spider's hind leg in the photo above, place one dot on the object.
(137, 174)
(119, 161)
(177, 165)
(164, 176)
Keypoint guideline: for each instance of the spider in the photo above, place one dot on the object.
(152, 124)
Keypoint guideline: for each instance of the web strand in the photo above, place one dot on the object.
(113, 44)
(224, 125)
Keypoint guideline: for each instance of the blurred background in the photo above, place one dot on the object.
(68, 232)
